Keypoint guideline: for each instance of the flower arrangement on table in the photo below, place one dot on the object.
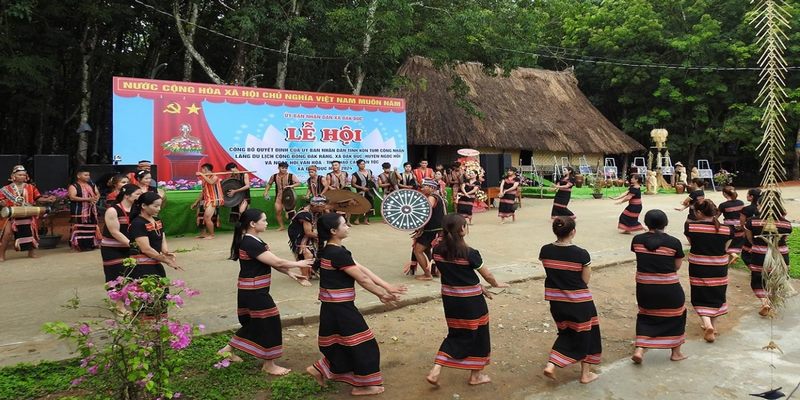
(724, 178)
(182, 145)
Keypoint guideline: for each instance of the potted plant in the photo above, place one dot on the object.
(48, 239)
(597, 184)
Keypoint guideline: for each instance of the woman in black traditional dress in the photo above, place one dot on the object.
(748, 211)
(566, 288)
(469, 189)
(758, 253)
(696, 195)
(147, 231)
(708, 265)
(260, 334)
(661, 321)
(563, 194)
(467, 345)
(731, 210)
(508, 195)
(116, 245)
(629, 219)
(350, 352)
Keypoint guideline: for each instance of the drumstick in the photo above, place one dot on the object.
(223, 173)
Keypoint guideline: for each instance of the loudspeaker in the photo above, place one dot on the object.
(51, 171)
(8, 161)
(492, 168)
(506, 163)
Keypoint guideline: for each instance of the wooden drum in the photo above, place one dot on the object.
(22, 211)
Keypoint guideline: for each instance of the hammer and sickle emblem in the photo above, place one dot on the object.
(173, 108)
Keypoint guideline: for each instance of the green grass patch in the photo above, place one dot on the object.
(26, 381)
(794, 254)
(198, 379)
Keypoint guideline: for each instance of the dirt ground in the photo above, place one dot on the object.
(522, 333)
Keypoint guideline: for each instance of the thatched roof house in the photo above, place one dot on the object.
(531, 110)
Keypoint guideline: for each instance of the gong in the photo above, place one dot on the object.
(288, 199)
(238, 197)
(406, 209)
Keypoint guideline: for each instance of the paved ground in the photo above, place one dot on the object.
(33, 290)
(731, 368)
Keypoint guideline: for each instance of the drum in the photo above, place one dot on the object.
(236, 199)
(406, 210)
(288, 199)
(347, 202)
(22, 211)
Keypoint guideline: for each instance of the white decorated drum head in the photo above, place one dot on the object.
(406, 209)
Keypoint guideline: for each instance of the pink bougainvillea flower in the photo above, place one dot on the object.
(179, 283)
(225, 363)
(84, 329)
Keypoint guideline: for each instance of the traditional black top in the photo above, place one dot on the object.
(460, 271)
(296, 231)
(154, 231)
(335, 285)
(564, 267)
(708, 243)
(253, 274)
(756, 226)
(124, 221)
(438, 212)
(656, 253)
(731, 209)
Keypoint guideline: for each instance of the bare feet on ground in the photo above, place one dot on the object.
(275, 370)
(367, 391)
(638, 355)
(588, 377)
(433, 376)
(316, 375)
(478, 378)
(550, 371)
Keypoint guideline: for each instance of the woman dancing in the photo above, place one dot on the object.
(731, 210)
(563, 194)
(566, 288)
(758, 253)
(260, 334)
(467, 344)
(466, 200)
(508, 195)
(661, 321)
(116, 245)
(629, 219)
(748, 211)
(350, 352)
(708, 265)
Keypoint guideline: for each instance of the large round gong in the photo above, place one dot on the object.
(238, 197)
(406, 209)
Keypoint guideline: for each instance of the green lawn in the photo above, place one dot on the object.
(794, 256)
(198, 380)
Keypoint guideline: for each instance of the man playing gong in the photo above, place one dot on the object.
(283, 180)
(22, 230)
(337, 179)
(303, 234)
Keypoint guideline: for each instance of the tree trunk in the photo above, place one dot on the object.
(190, 46)
(796, 164)
(283, 63)
(360, 73)
(187, 56)
(87, 48)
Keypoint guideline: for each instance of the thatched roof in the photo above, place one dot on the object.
(532, 109)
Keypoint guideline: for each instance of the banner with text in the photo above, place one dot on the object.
(182, 125)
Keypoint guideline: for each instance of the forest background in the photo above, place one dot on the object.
(686, 65)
